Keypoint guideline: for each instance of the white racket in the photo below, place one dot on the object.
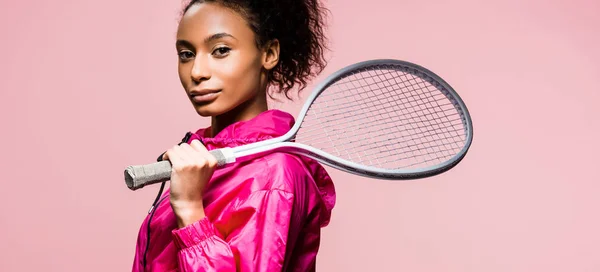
(385, 119)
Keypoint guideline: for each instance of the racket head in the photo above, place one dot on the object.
(443, 137)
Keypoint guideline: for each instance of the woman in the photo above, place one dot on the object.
(263, 214)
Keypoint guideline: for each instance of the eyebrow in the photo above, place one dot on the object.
(218, 36)
(208, 39)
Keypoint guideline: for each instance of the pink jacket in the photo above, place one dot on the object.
(261, 215)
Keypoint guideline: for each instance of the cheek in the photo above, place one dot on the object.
(243, 75)
(183, 74)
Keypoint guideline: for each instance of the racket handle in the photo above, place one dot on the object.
(138, 176)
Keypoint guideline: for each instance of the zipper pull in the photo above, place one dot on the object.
(185, 139)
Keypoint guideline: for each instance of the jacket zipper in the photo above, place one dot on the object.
(157, 202)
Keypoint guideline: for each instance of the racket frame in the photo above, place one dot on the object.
(285, 142)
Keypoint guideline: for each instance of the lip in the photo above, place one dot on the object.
(195, 92)
(204, 95)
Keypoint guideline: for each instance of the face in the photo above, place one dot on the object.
(220, 66)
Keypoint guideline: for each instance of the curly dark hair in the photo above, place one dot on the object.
(297, 25)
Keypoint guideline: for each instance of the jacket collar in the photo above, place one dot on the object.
(268, 124)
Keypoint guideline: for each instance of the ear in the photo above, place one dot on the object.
(271, 54)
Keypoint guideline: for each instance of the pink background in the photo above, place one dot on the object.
(89, 87)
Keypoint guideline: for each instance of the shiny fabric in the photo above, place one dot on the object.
(264, 214)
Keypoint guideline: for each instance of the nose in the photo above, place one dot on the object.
(201, 70)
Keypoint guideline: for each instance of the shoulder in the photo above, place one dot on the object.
(283, 171)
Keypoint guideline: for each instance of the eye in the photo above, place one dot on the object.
(221, 52)
(185, 55)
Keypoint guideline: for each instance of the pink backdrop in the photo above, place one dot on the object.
(88, 88)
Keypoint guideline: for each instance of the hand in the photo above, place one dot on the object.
(192, 168)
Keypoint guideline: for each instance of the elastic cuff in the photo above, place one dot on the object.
(193, 234)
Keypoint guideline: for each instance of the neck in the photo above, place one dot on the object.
(243, 112)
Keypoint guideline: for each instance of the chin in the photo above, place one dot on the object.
(209, 110)
(204, 112)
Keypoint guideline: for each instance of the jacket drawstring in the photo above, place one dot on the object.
(157, 200)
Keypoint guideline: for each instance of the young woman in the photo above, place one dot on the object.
(263, 214)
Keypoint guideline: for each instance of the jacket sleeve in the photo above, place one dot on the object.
(254, 239)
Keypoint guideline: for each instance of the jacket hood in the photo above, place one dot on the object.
(267, 125)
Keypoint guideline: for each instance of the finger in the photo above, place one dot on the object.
(173, 156)
(197, 145)
(189, 154)
(199, 153)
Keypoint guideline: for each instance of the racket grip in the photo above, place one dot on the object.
(138, 176)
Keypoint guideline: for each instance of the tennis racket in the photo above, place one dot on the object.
(383, 119)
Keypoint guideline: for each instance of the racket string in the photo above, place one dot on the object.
(385, 118)
(411, 78)
(315, 140)
(426, 153)
(349, 128)
(382, 111)
(388, 142)
(427, 132)
(383, 133)
(330, 140)
(344, 110)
